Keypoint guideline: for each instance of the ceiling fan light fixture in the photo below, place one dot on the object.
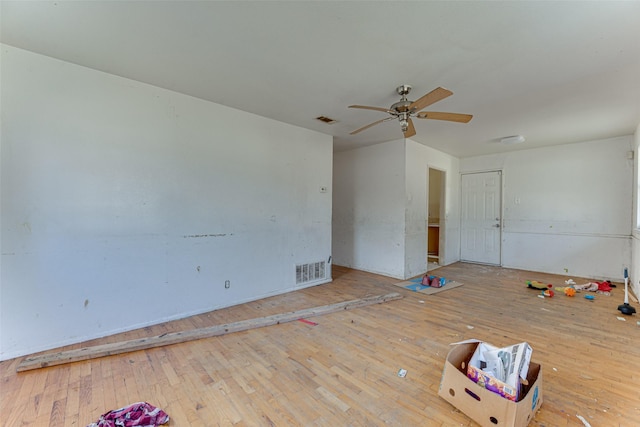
(515, 139)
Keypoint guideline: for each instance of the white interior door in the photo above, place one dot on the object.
(481, 227)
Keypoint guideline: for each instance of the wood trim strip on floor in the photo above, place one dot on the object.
(85, 353)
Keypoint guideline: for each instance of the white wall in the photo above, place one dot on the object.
(125, 205)
(634, 272)
(566, 209)
(380, 207)
(419, 159)
(368, 208)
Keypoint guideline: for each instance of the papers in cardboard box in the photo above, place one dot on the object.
(485, 407)
(500, 369)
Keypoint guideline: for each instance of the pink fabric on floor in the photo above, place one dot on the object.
(139, 414)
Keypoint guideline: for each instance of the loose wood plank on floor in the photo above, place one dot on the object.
(86, 353)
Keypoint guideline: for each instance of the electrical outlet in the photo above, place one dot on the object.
(227, 284)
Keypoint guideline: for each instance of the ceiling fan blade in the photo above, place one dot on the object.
(366, 107)
(432, 97)
(370, 125)
(450, 117)
(410, 129)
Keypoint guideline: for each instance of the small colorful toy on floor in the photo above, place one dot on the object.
(547, 293)
(538, 285)
(433, 281)
(437, 282)
(567, 290)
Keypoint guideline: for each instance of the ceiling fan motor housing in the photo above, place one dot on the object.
(400, 107)
(403, 90)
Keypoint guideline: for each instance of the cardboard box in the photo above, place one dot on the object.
(484, 406)
(500, 369)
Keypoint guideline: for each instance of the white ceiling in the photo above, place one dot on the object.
(555, 72)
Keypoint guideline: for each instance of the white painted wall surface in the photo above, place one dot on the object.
(634, 271)
(419, 159)
(566, 209)
(380, 207)
(368, 208)
(125, 205)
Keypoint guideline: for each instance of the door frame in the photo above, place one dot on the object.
(441, 214)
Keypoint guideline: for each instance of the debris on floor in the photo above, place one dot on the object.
(585, 422)
(538, 285)
(589, 287)
(140, 414)
(567, 290)
(433, 281)
(402, 373)
(548, 290)
(604, 286)
(428, 284)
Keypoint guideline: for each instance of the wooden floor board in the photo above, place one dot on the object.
(343, 371)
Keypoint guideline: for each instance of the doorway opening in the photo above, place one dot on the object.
(435, 218)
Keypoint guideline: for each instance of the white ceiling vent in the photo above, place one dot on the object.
(312, 272)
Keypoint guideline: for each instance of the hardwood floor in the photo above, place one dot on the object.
(343, 371)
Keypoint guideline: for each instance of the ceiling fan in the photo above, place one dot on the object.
(404, 109)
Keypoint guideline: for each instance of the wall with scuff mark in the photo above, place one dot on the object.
(566, 209)
(380, 207)
(125, 205)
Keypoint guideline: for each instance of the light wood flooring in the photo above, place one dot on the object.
(343, 371)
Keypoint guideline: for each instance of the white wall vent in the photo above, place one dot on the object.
(311, 272)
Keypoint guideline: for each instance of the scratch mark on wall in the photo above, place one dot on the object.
(197, 236)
